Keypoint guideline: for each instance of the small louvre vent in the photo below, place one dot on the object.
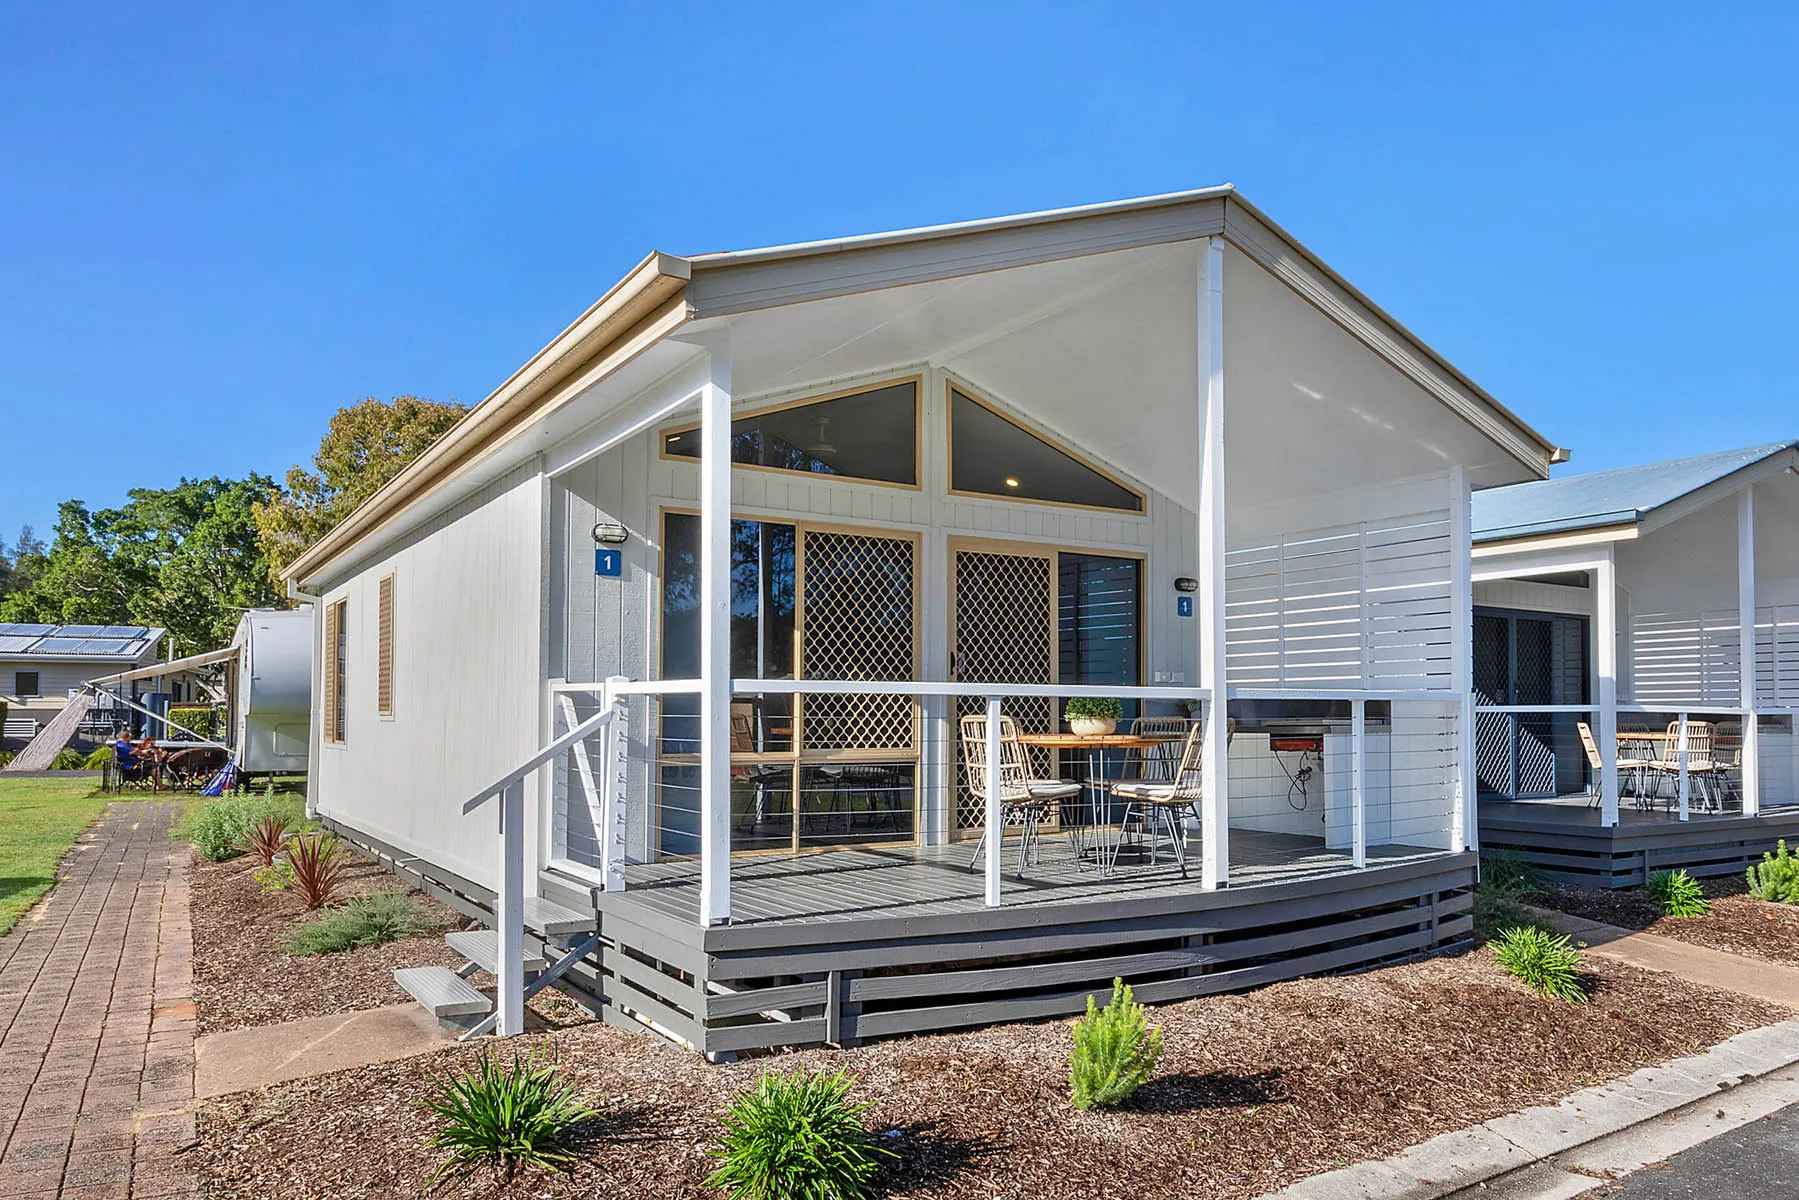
(384, 655)
(334, 671)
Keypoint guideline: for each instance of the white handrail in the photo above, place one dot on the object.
(1535, 708)
(1434, 696)
(517, 774)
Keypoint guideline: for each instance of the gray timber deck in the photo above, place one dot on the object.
(918, 882)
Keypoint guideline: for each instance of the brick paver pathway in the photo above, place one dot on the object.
(97, 1022)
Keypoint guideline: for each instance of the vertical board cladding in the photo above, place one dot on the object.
(466, 611)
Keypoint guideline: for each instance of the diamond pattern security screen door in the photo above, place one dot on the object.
(1524, 659)
(1003, 613)
(813, 602)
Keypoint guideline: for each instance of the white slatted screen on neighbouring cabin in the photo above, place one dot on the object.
(1368, 605)
(1686, 658)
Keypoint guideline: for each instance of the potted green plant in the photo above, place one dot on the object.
(1093, 716)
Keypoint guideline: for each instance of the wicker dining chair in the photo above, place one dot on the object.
(1022, 799)
(1595, 763)
(1700, 761)
(1169, 802)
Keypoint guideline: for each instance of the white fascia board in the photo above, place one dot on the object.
(662, 400)
(1552, 560)
(1580, 537)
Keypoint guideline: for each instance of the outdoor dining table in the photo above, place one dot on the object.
(1106, 840)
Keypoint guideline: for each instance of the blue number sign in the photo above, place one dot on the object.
(608, 562)
(1183, 605)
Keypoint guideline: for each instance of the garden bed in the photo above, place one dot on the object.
(243, 977)
(1737, 923)
(1253, 1092)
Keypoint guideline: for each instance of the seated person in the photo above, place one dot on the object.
(125, 753)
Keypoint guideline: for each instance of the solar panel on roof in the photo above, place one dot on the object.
(124, 631)
(60, 645)
(80, 631)
(25, 628)
(107, 645)
(12, 644)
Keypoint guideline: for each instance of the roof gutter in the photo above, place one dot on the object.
(649, 294)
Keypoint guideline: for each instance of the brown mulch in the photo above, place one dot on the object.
(1253, 1092)
(242, 977)
(1738, 922)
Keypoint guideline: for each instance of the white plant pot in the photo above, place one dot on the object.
(1092, 726)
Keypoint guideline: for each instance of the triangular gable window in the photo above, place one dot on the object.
(869, 434)
(992, 456)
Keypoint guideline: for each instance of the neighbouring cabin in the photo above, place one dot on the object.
(1636, 665)
(721, 658)
(43, 667)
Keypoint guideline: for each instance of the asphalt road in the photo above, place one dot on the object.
(1759, 1161)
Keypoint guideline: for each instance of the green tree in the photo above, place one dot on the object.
(366, 445)
(185, 557)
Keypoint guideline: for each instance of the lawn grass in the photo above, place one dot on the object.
(39, 820)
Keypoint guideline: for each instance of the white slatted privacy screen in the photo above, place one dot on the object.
(1684, 658)
(1777, 656)
(1356, 606)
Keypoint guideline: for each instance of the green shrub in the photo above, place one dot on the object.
(1776, 877)
(67, 760)
(505, 1118)
(97, 760)
(1544, 962)
(1676, 893)
(1093, 708)
(797, 1136)
(1503, 872)
(366, 921)
(1115, 1050)
(6, 756)
(202, 719)
(220, 829)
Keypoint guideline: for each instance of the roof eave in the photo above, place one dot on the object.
(653, 285)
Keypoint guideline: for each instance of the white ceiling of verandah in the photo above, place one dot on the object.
(1102, 350)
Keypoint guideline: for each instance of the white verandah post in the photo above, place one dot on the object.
(1358, 789)
(1215, 805)
(1464, 822)
(1605, 658)
(1751, 748)
(996, 826)
(509, 912)
(715, 637)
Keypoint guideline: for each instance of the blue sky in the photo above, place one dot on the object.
(222, 223)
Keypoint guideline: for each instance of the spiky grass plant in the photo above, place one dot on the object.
(1505, 873)
(1115, 1051)
(504, 1117)
(315, 865)
(98, 759)
(1545, 963)
(1776, 877)
(265, 837)
(797, 1137)
(365, 921)
(1676, 893)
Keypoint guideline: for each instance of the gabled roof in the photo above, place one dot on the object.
(666, 292)
(1626, 496)
(104, 643)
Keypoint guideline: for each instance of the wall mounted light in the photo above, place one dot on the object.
(610, 533)
(1186, 583)
(1011, 482)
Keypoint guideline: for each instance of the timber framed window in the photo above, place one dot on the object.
(336, 652)
(25, 683)
(384, 652)
(869, 434)
(990, 454)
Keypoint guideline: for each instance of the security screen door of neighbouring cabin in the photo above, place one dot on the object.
(1526, 659)
(1029, 614)
(813, 602)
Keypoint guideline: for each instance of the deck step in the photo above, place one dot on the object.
(443, 992)
(482, 947)
(553, 920)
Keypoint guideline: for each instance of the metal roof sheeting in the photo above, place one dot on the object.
(27, 640)
(1623, 496)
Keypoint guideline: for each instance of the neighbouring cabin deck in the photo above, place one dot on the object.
(840, 946)
(1566, 840)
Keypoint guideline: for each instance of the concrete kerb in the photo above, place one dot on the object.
(1569, 1133)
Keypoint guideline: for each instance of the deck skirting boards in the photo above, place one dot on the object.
(887, 978)
(1625, 855)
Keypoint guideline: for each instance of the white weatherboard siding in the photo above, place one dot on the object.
(468, 684)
